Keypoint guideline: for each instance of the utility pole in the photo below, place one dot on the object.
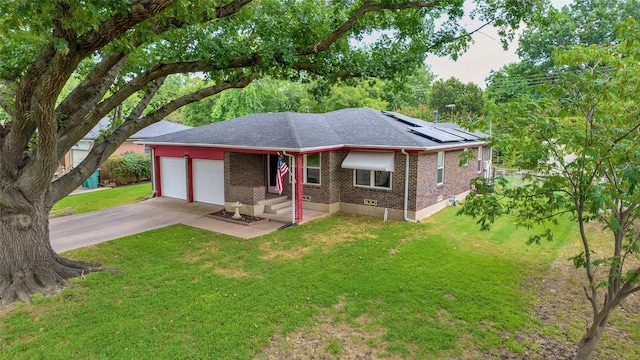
(452, 107)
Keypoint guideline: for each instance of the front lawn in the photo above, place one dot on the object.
(337, 287)
(101, 199)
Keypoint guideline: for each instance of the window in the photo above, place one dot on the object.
(440, 167)
(312, 169)
(373, 178)
(479, 158)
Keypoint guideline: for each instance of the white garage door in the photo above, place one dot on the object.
(208, 181)
(77, 156)
(173, 177)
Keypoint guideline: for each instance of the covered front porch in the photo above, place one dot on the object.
(251, 184)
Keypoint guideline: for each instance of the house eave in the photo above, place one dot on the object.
(315, 149)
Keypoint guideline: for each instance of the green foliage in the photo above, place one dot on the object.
(127, 165)
(138, 164)
(419, 290)
(273, 95)
(578, 139)
(265, 95)
(580, 23)
(419, 112)
(452, 97)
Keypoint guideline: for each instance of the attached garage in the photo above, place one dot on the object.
(208, 181)
(173, 177)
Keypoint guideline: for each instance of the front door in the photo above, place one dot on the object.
(272, 170)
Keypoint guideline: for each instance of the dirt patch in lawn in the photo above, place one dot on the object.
(565, 314)
(323, 240)
(231, 273)
(326, 340)
(270, 252)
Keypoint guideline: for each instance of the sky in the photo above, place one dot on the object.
(484, 55)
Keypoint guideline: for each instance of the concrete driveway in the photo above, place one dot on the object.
(74, 231)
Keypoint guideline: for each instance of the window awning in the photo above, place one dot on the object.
(365, 160)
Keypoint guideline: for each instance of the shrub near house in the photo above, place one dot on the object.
(128, 167)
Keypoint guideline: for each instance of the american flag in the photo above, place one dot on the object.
(283, 169)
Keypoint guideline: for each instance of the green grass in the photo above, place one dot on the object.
(102, 199)
(426, 290)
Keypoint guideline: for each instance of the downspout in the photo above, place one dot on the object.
(406, 187)
(293, 186)
(490, 150)
(154, 181)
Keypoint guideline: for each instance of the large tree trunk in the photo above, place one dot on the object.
(28, 264)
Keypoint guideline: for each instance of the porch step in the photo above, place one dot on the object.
(278, 206)
(281, 211)
(275, 200)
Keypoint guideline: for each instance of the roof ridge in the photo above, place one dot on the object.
(293, 130)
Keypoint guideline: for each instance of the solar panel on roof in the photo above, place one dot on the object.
(403, 119)
(436, 135)
(457, 132)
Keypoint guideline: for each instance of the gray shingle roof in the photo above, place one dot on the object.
(161, 127)
(360, 127)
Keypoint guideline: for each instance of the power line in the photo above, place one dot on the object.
(537, 79)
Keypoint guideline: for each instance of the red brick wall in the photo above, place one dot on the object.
(328, 192)
(129, 146)
(456, 178)
(246, 180)
(393, 199)
(245, 177)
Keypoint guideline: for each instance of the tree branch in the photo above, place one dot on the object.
(75, 107)
(91, 89)
(146, 99)
(231, 8)
(140, 11)
(461, 36)
(158, 71)
(366, 8)
(117, 25)
(105, 147)
(175, 104)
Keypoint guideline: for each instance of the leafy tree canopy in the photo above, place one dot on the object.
(591, 22)
(273, 95)
(579, 139)
(452, 96)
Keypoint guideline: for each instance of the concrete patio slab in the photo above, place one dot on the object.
(237, 230)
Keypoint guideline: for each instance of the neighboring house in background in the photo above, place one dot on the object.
(359, 161)
(79, 151)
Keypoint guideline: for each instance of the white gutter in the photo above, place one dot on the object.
(490, 167)
(154, 180)
(406, 187)
(293, 186)
(321, 148)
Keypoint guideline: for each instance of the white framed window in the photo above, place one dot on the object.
(312, 169)
(372, 178)
(479, 159)
(440, 167)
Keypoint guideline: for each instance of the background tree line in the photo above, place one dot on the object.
(418, 96)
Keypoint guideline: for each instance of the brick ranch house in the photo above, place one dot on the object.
(359, 161)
